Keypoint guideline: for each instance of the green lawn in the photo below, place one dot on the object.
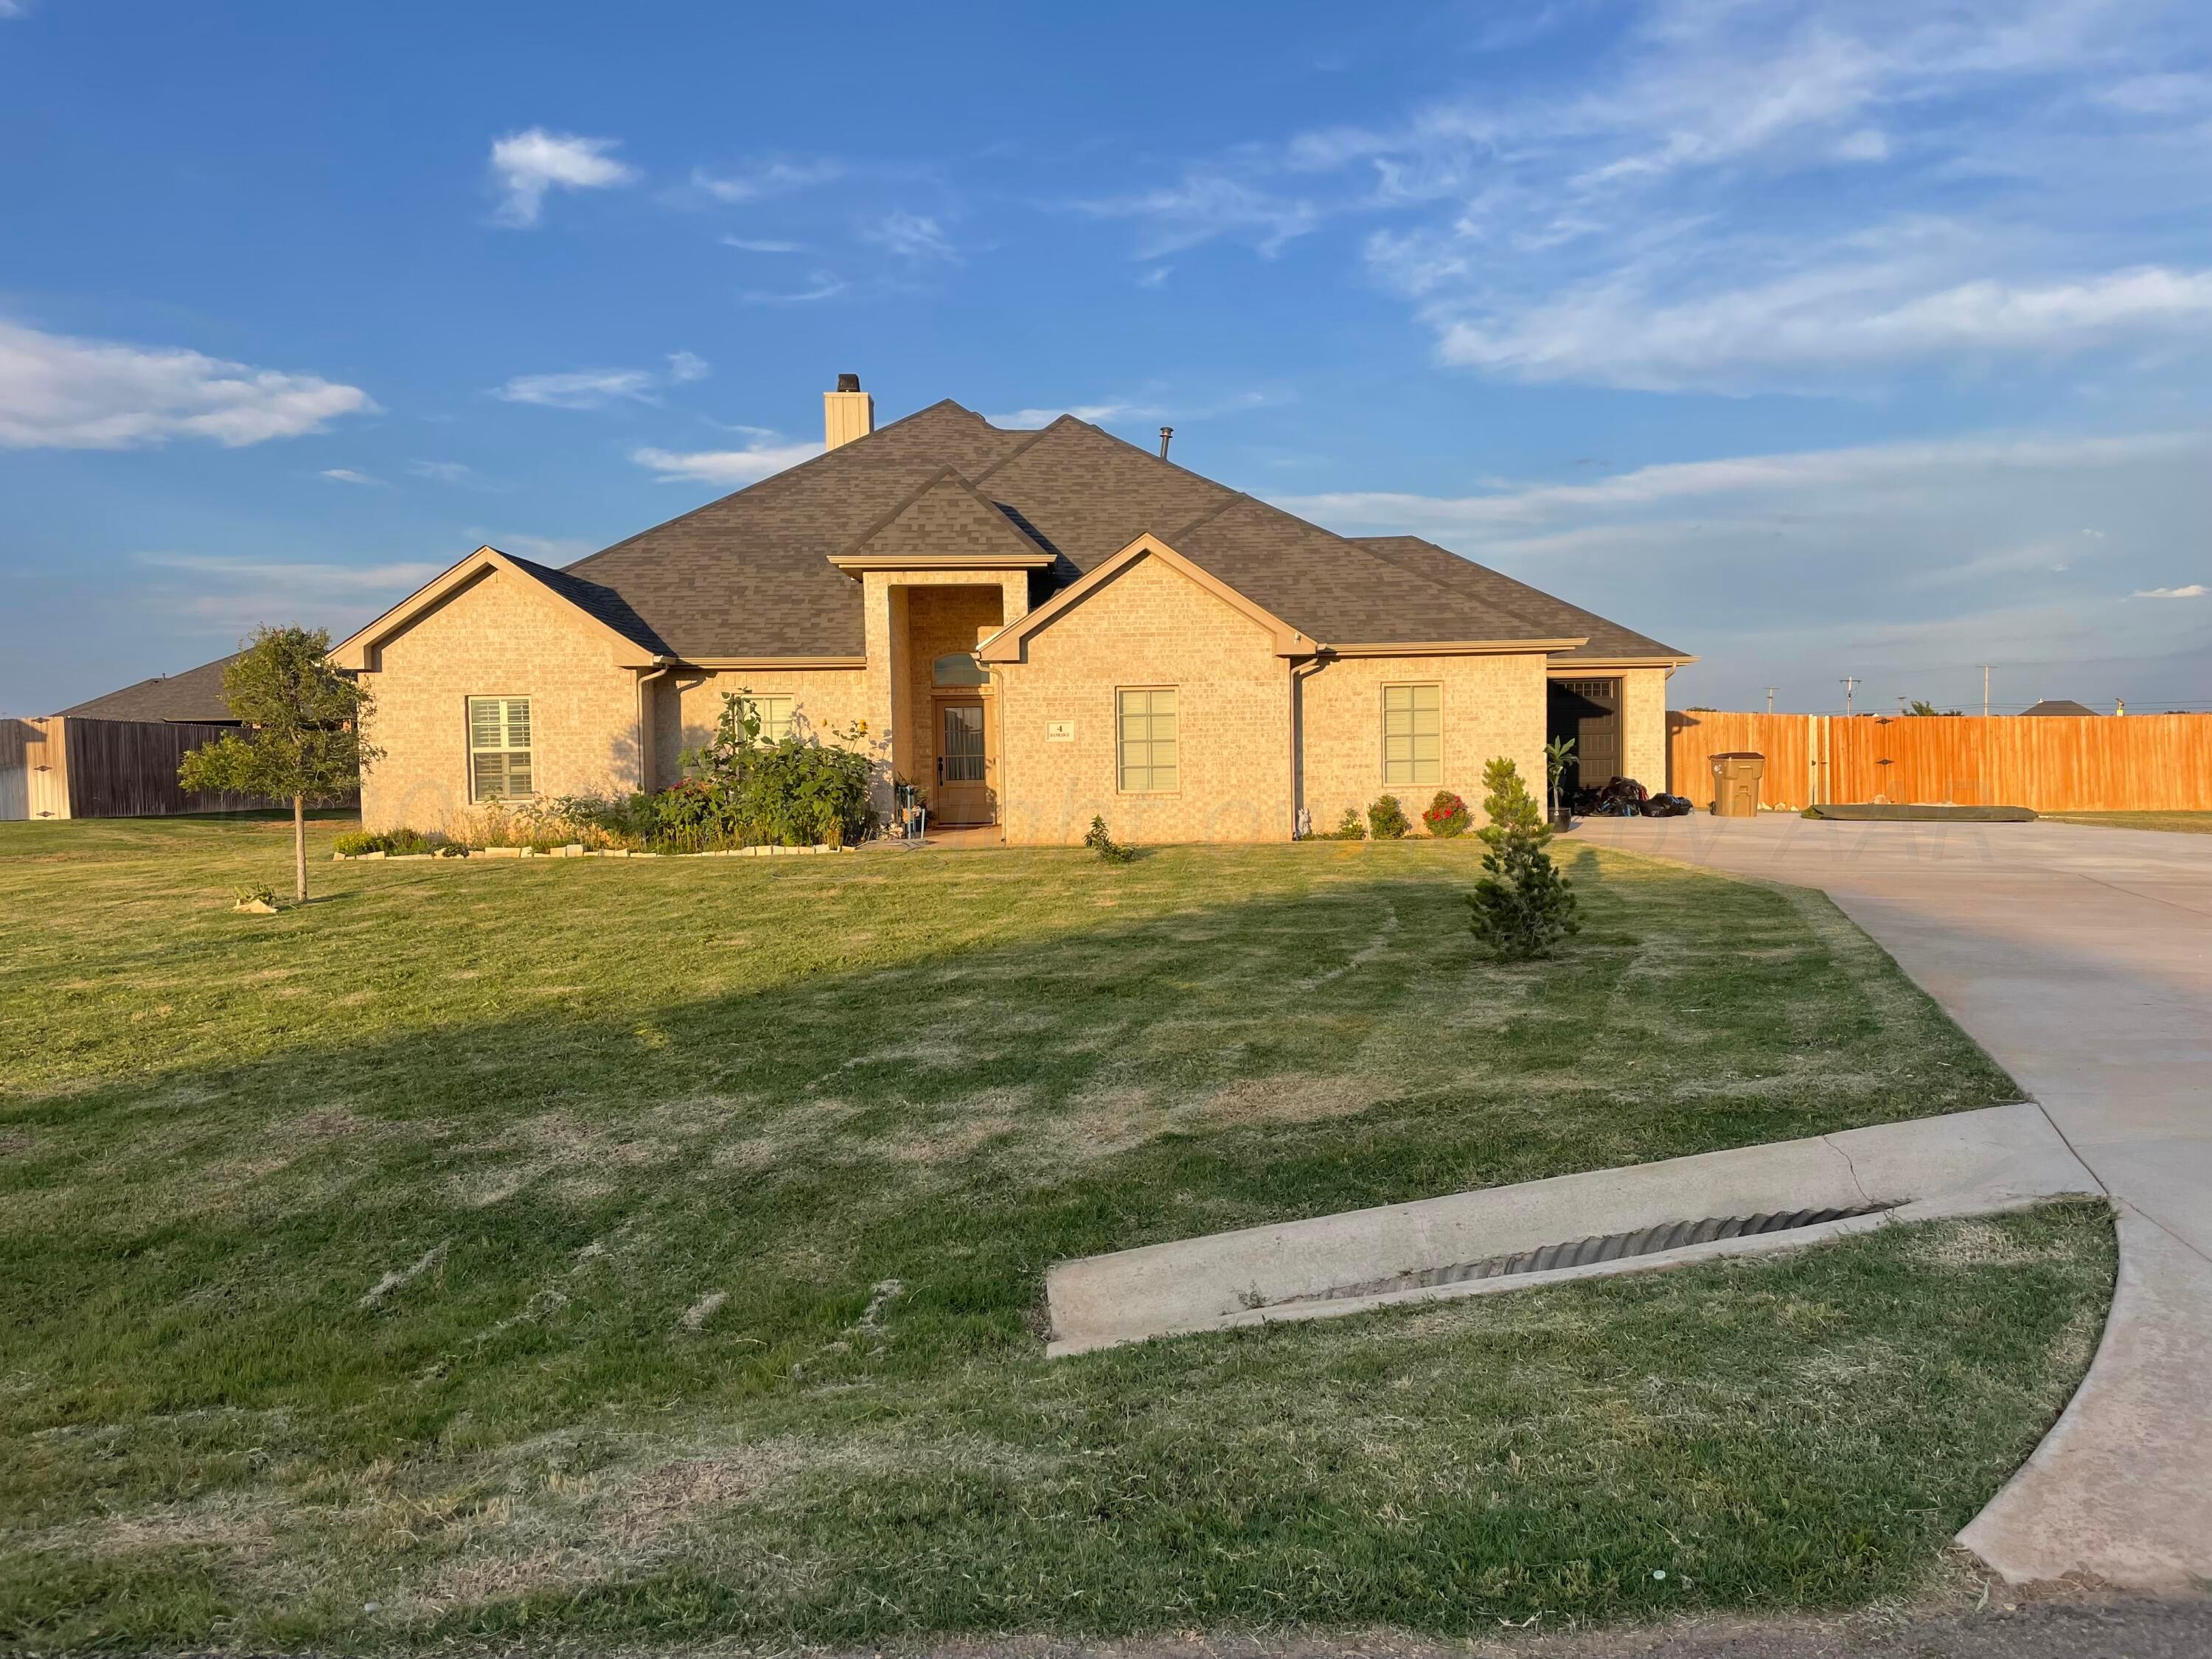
(2188, 824)
(644, 1251)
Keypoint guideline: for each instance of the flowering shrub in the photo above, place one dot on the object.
(1388, 819)
(1447, 816)
(1351, 826)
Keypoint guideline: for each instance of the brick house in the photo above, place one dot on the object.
(1033, 626)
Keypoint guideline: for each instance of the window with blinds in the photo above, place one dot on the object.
(1146, 746)
(499, 749)
(775, 714)
(1412, 734)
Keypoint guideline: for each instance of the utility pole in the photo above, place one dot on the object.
(1986, 691)
(1769, 700)
(1849, 680)
(1900, 702)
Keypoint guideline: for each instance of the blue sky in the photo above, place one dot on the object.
(1815, 339)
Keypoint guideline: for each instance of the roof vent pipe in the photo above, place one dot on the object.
(847, 413)
(1167, 434)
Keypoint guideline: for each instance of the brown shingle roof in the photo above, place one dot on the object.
(749, 576)
(1608, 642)
(194, 696)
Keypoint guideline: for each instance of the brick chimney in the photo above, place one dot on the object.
(847, 413)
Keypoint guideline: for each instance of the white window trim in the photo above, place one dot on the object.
(469, 743)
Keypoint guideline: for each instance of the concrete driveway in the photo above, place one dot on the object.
(2080, 958)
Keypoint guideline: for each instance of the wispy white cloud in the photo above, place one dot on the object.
(755, 181)
(759, 244)
(544, 549)
(820, 285)
(230, 595)
(58, 391)
(1155, 277)
(443, 472)
(596, 388)
(1803, 195)
(2193, 591)
(1909, 563)
(1108, 410)
(724, 467)
(1205, 205)
(913, 236)
(527, 165)
(1785, 475)
(347, 475)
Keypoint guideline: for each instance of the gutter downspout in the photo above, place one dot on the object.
(1300, 673)
(645, 754)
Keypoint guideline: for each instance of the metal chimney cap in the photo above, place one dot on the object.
(848, 383)
(1166, 433)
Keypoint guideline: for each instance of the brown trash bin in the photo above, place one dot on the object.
(1736, 778)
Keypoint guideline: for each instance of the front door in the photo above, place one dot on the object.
(963, 790)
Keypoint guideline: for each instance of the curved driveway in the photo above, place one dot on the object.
(2080, 958)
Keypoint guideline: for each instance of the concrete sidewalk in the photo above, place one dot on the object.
(2080, 958)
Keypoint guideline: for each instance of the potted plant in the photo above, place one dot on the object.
(1559, 755)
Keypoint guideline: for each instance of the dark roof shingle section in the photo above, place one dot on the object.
(749, 575)
(1607, 641)
(1084, 494)
(195, 696)
(2065, 706)
(945, 519)
(1332, 590)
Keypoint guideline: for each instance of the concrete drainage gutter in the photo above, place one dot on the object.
(1750, 1200)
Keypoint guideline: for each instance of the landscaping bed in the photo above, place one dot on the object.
(656, 1257)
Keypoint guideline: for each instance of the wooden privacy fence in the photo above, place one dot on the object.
(71, 767)
(2057, 763)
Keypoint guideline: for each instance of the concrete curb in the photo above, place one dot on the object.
(1975, 1163)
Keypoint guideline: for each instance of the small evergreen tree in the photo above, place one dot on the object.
(301, 739)
(1522, 907)
(1350, 826)
(1099, 842)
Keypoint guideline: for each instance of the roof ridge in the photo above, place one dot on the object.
(1215, 512)
(787, 472)
(1019, 449)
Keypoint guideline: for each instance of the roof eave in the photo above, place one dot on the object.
(1448, 647)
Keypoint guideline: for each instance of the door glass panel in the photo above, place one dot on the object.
(963, 744)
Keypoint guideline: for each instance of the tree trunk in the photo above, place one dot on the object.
(300, 847)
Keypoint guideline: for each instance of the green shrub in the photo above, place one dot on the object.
(1351, 826)
(397, 842)
(1111, 851)
(1388, 819)
(1523, 907)
(794, 792)
(1447, 816)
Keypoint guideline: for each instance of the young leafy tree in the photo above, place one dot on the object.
(1522, 907)
(301, 739)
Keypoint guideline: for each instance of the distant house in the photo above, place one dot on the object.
(117, 755)
(194, 697)
(2058, 705)
(1033, 626)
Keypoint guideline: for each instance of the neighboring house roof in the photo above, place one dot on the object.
(1607, 641)
(193, 697)
(751, 575)
(2058, 705)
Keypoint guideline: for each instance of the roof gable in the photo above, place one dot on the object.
(946, 521)
(358, 651)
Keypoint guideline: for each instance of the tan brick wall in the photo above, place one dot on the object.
(1149, 626)
(1643, 726)
(502, 636)
(1490, 705)
(891, 598)
(687, 705)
